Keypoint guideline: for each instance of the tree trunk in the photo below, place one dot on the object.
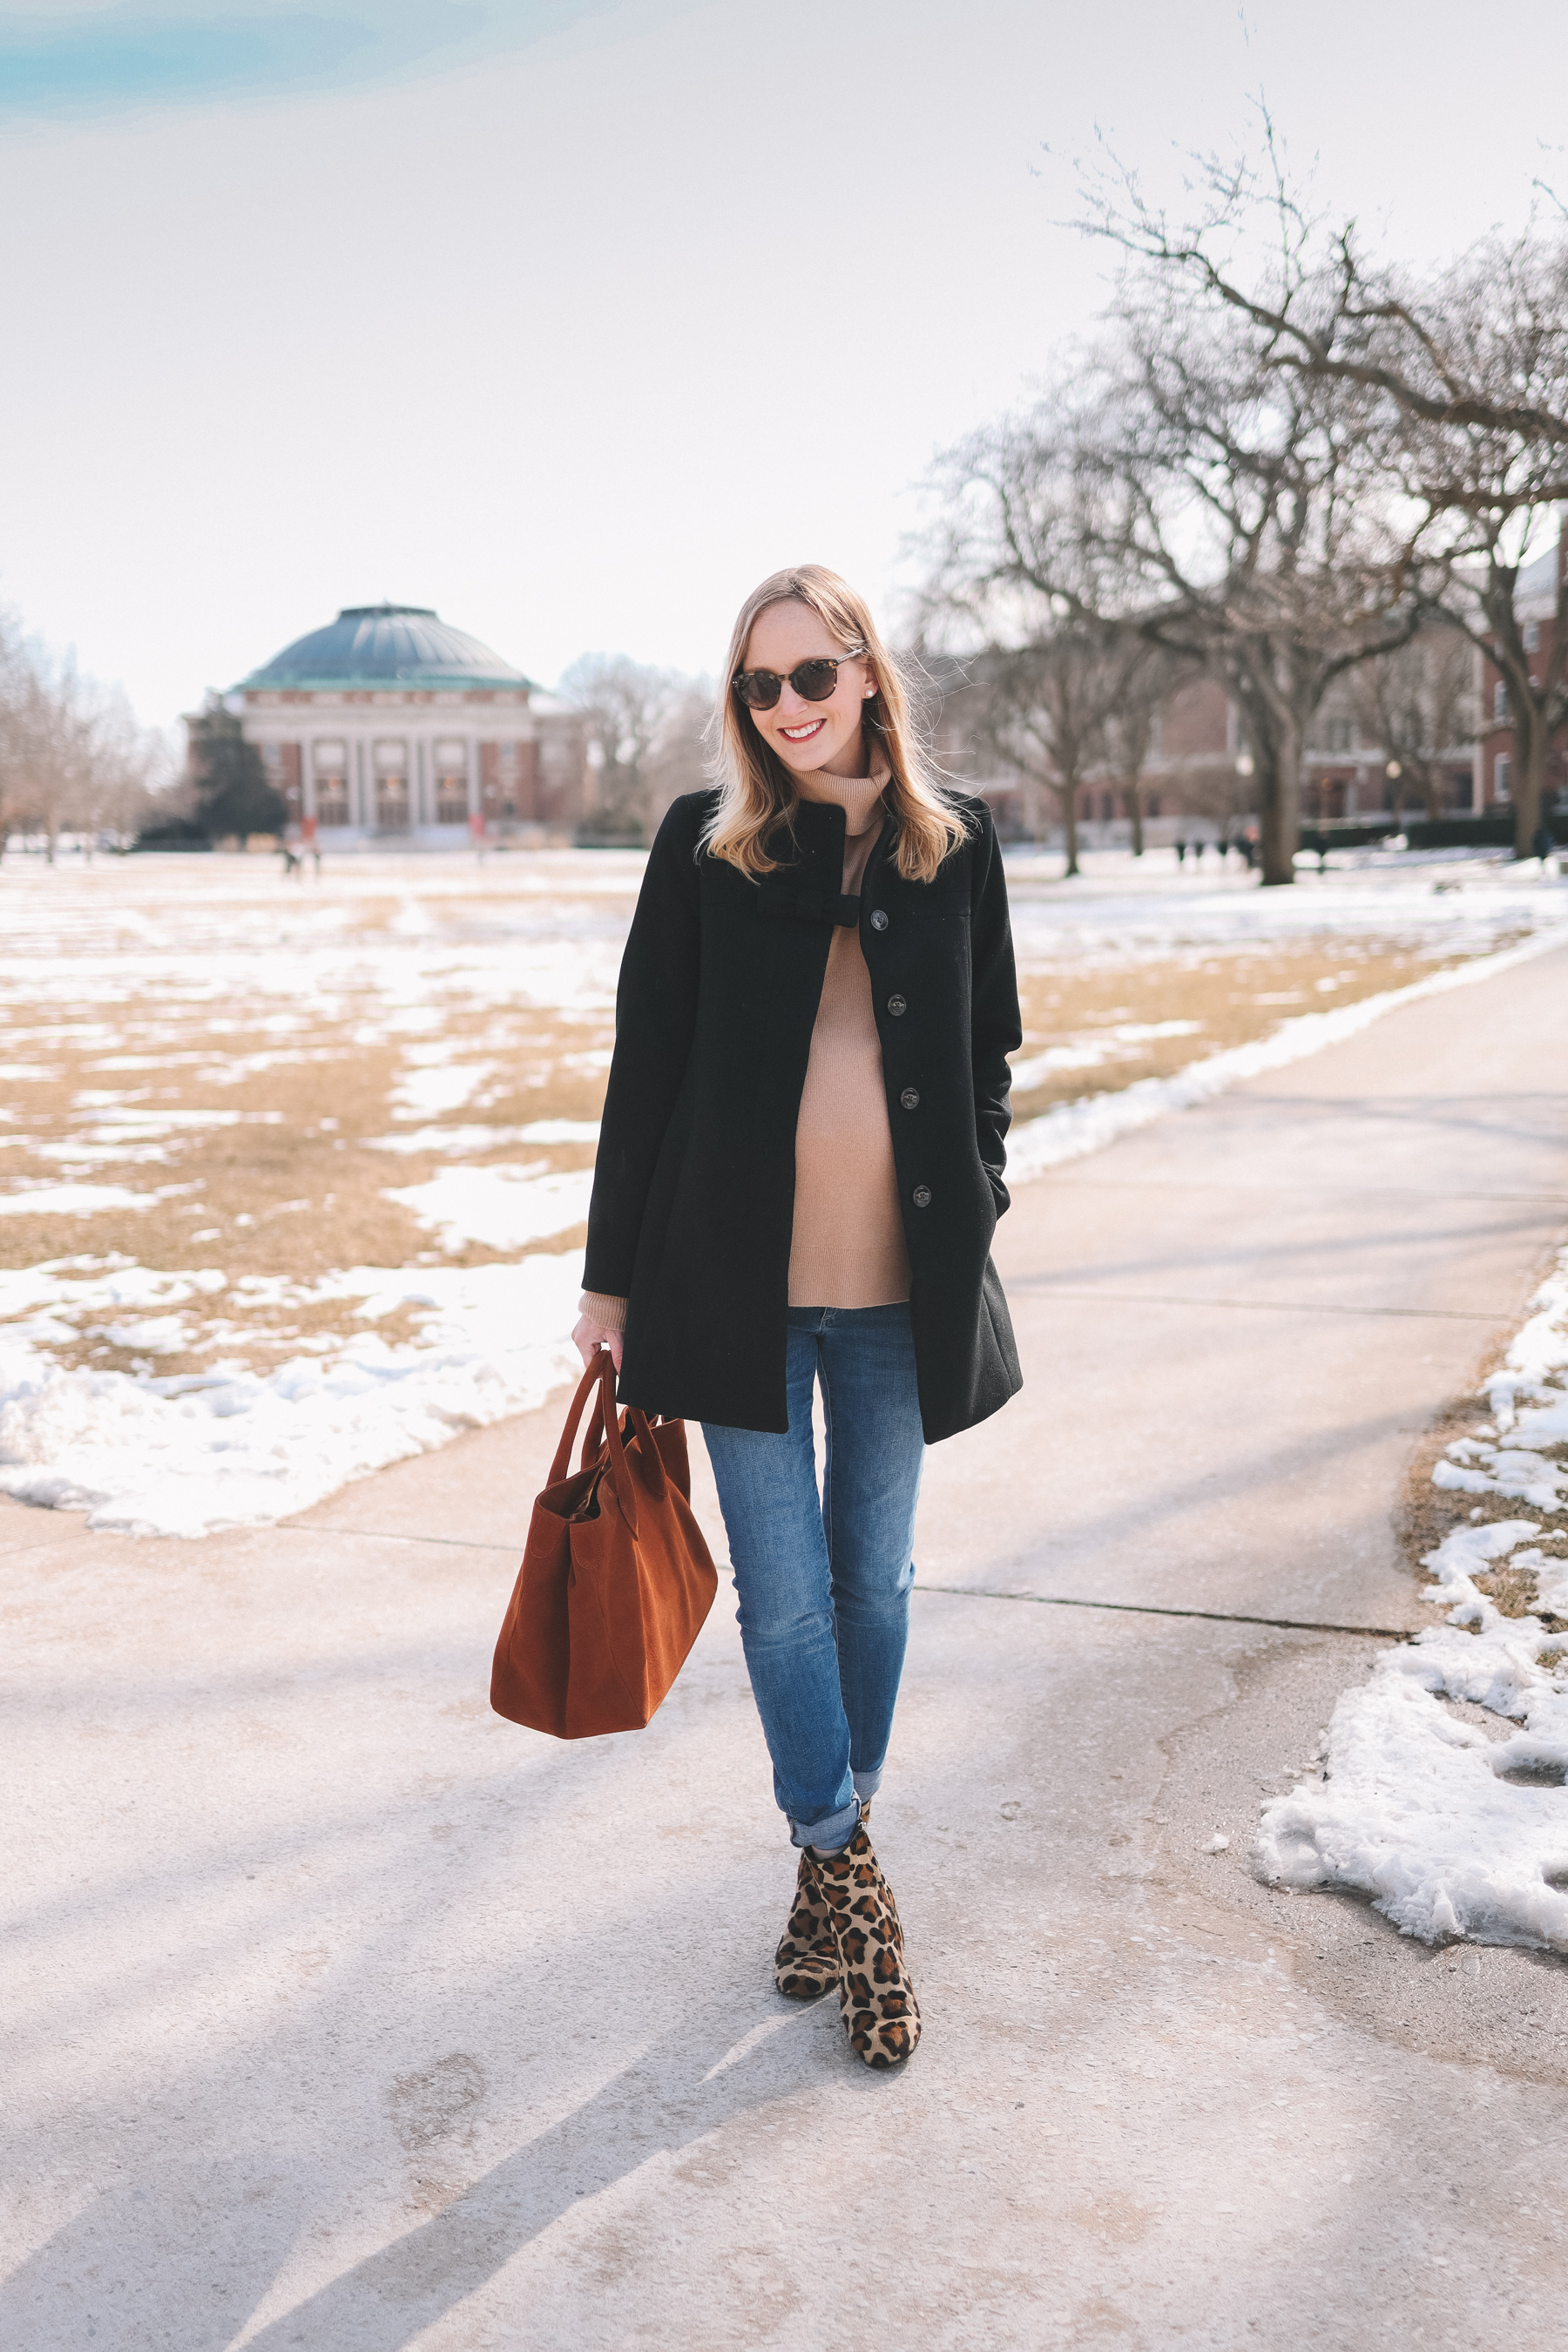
(1070, 829)
(1279, 808)
(1530, 745)
(1135, 810)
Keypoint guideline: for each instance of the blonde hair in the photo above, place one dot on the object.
(757, 793)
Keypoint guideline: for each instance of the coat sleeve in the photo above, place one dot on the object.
(995, 1029)
(656, 1018)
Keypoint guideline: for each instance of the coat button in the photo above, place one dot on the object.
(910, 1098)
(878, 918)
(921, 1196)
(896, 1004)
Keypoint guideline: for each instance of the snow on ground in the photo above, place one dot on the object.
(233, 1447)
(1070, 1130)
(227, 1095)
(505, 1207)
(1442, 1792)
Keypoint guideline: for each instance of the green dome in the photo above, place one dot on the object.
(387, 645)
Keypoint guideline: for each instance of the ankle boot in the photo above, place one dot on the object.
(805, 1964)
(876, 1998)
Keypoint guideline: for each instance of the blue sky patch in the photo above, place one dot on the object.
(75, 62)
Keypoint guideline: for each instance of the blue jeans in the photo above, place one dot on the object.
(824, 1582)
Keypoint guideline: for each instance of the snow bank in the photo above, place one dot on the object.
(1456, 1826)
(1073, 1128)
(233, 1447)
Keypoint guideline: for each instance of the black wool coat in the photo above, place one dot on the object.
(693, 1199)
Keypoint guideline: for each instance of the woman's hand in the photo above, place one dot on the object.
(588, 1338)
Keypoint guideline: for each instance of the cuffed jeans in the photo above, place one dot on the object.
(824, 1582)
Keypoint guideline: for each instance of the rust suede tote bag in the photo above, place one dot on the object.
(616, 1580)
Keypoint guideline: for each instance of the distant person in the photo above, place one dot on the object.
(1543, 841)
(799, 1174)
(476, 829)
(309, 844)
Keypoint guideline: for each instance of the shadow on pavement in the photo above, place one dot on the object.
(180, 2258)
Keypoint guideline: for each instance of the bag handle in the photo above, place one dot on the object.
(606, 1422)
(592, 1377)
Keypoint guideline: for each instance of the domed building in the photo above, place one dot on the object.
(389, 724)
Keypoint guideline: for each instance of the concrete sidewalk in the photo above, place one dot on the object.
(346, 2017)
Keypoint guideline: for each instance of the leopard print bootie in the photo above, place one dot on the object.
(876, 1998)
(805, 1964)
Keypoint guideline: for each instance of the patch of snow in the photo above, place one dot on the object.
(75, 1200)
(424, 1092)
(503, 1208)
(560, 1130)
(1104, 1045)
(1418, 1807)
(233, 1447)
(459, 1142)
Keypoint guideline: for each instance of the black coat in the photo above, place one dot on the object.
(693, 1200)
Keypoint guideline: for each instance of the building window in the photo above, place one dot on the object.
(1500, 700)
(1500, 778)
(451, 783)
(506, 777)
(330, 765)
(392, 787)
(392, 803)
(1531, 636)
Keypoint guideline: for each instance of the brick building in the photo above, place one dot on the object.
(389, 724)
(1196, 778)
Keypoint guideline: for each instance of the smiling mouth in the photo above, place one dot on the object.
(803, 734)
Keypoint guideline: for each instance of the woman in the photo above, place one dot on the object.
(799, 1174)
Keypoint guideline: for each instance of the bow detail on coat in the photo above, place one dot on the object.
(803, 900)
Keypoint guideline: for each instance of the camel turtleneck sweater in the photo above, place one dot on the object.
(848, 1245)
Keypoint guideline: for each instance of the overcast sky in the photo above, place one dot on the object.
(572, 318)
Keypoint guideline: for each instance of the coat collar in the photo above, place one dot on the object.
(805, 887)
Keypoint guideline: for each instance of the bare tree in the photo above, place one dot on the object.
(1042, 709)
(677, 762)
(1464, 378)
(72, 755)
(1418, 706)
(1017, 578)
(1245, 517)
(646, 729)
(1229, 518)
(16, 672)
(56, 738)
(1149, 677)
